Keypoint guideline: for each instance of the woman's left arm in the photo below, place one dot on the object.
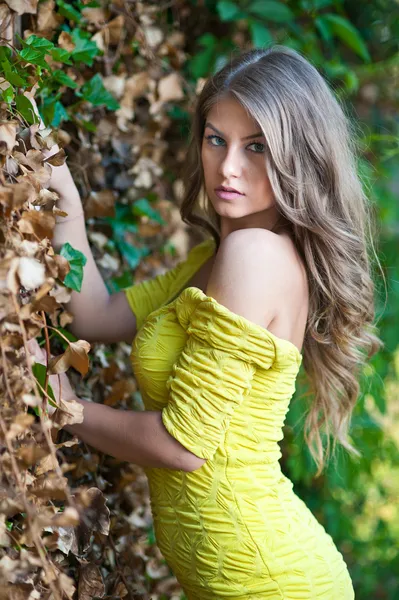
(135, 436)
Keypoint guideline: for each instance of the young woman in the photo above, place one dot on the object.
(218, 341)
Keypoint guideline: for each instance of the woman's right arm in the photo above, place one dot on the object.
(98, 315)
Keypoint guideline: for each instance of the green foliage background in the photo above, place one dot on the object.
(355, 45)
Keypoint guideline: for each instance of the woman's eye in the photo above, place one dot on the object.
(262, 146)
(259, 147)
(212, 137)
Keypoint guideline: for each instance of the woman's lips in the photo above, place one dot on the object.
(228, 195)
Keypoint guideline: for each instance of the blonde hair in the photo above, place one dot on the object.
(311, 163)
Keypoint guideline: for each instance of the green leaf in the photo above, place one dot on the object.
(260, 35)
(343, 29)
(228, 11)
(24, 106)
(8, 94)
(5, 53)
(85, 50)
(67, 10)
(201, 63)
(324, 29)
(11, 76)
(39, 371)
(143, 207)
(61, 55)
(34, 56)
(130, 253)
(88, 125)
(94, 91)
(272, 11)
(77, 261)
(123, 281)
(39, 43)
(64, 79)
(54, 112)
(9, 525)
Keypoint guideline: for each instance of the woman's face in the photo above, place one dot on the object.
(233, 155)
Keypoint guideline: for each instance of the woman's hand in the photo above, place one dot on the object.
(59, 383)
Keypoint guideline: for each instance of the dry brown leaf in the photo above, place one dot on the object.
(47, 17)
(170, 88)
(20, 193)
(91, 583)
(21, 423)
(23, 6)
(61, 293)
(97, 16)
(58, 159)
(47, 199)
(74, 356)
(5, 540)
(33, 159)
(51, 486)
(39, 223)
(65, 318)
(6, 23)
(8, 135)
(100, 204)
(46, 464)
(68, 413)
(30, 455)
(65, 41)
(96, 517)
(121, 390)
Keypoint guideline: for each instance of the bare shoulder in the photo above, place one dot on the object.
(253, 271)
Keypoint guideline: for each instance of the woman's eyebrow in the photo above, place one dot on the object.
(247, 137)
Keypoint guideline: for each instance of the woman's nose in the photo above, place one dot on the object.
(231, 164)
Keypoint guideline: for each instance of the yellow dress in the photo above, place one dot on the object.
(233, 528)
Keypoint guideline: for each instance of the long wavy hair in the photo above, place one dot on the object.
(311, 160)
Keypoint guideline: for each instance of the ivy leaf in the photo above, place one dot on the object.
(64, 79)
(131, 254)
(33, 56)
(76, 356)
(77, 261)
(67, 10)
(39, 371)
(61, 55)
(24, 106)
(143, 207)
(123, 281)
(261, 36)
(201, 62)
(85, 50)
(10, 75)
(39, 43)
(228, 11)
(343, 29)
(8, 94)
(273, 11)
(5, 53)
(94, 91)
(54, 111)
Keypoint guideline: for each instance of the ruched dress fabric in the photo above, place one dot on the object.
(233, 528)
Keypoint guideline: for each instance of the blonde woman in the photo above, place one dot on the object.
(218, 341)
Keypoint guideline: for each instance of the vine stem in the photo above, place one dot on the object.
(48, 351)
